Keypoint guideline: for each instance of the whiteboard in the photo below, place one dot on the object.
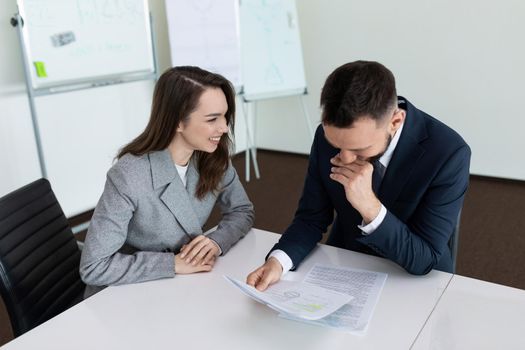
(254, 43)
(69, 42)
(205, 33)
(271, 53)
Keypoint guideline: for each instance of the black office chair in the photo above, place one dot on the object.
(39, 257)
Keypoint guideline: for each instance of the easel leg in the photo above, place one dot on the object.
(250, 146)
(253, 149)
(307, 117)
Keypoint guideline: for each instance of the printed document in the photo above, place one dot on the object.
(297, 300)
(364, 286)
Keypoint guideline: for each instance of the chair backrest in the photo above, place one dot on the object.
(39, 257)
(453, 243)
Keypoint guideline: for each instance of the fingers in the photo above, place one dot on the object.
(254, 277)
(343, 171)
(344, 175)
(264, 282)
(210, 256)
(343, 180)
(351, 172)
(201, 268)
(355, 167)
(199, 251)
(181, 267)
(189, 247)
(265, 275)
(198, 259)
(353, 182)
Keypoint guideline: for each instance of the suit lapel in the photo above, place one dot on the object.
(175, 196)
(406, 155)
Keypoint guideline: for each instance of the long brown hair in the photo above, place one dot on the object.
(176, 95)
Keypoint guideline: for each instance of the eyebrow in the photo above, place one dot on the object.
(213, 115)
(353, 150)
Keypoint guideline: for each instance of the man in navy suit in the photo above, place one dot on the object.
(395, 177)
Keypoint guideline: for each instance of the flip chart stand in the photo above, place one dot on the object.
(250, 118)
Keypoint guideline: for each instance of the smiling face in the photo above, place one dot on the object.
(205, 126)
(366, 139)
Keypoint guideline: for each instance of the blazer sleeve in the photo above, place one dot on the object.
(237, 212)
(314, 213)
(101, 262)
(418, 244)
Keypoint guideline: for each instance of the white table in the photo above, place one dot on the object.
(474, 314)
(203, 311)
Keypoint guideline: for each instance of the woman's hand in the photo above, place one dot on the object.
(182, 267)
(200, 251)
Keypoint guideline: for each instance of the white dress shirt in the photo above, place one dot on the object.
(182, 170)
(285, 260)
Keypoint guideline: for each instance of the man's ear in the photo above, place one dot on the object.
(397, 119)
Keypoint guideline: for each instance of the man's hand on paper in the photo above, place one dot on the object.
(266, 275)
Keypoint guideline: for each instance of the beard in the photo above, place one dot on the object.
(379, 155)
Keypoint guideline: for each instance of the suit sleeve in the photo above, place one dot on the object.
(418, 244)
(314, 213)
(237, 212)
(101, 264)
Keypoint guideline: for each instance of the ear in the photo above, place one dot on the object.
(180, 127)
(397, 119)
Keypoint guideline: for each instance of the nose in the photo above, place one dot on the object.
(224, 129)
(347, 157)
(223, 126)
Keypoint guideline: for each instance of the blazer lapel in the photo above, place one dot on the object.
(406, 155)
(175, 196)
(191, 185)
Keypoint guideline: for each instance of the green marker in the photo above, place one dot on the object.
(40, 69)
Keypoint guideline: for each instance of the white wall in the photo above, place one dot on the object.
(460, 61)
(18, 157)
(81, 131)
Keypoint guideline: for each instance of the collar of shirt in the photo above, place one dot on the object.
(387, 156)
(183, 171)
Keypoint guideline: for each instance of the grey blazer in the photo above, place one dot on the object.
(146, 214)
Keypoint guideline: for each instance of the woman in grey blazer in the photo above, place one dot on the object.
(157, 197)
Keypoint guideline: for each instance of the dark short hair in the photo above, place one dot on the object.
(356, 90)
(176, 96)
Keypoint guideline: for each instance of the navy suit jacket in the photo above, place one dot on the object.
(423, 191)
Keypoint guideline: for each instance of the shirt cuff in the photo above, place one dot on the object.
(283, 259)
(374, 224)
